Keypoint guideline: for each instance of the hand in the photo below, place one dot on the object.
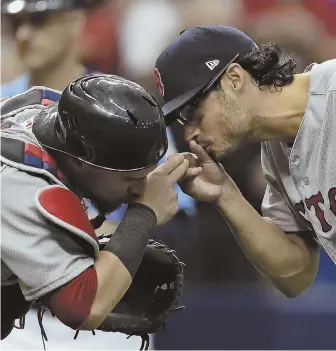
(160, 194)
(205, 180)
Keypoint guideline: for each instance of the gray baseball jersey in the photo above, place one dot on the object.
(37, 249)
(301, 189)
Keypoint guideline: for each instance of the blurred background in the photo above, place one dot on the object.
(229, 305)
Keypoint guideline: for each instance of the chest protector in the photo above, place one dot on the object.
(55, 202)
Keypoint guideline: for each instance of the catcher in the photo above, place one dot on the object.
(100, 140)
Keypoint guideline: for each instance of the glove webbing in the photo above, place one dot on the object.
(144, 339)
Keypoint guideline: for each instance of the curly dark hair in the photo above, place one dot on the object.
(269, 67)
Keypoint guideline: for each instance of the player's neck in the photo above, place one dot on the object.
(281, 113)
(58, 77)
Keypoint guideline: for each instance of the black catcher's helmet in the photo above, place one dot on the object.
(106, 121)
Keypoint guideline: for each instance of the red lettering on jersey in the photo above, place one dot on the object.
(313, 201)
(301, 210)
(159, 81)
(332, 200)
(67, 207)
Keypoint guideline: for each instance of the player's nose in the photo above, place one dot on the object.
(138, 187)
(23, 32)
(191, 132)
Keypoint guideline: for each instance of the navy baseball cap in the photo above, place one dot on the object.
(193, 62)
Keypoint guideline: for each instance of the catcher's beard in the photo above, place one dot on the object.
(105, 208)
(102, 206)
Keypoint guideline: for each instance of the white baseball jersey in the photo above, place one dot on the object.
(301, 189)
(41, 254)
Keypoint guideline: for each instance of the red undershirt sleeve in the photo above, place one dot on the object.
(72, 302)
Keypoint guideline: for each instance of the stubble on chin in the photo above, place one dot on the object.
(104, 207)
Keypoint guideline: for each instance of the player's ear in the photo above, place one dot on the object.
(78, 163)
(234, 77)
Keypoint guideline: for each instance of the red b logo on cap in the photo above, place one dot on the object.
(159, 81)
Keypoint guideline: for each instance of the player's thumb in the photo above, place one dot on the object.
(178, 172)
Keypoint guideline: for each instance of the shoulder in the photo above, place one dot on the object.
(12, 177)
(323, 77)
(31, 203)
(18, 192)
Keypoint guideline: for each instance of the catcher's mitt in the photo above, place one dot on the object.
(153, 295)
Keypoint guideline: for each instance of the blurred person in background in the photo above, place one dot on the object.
(202, 75)
(296, 28)
(99, 44)
(49, 40)
(11, 65)
(197, 12)
(47, 36)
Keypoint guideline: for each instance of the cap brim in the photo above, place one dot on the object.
(172, 107)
